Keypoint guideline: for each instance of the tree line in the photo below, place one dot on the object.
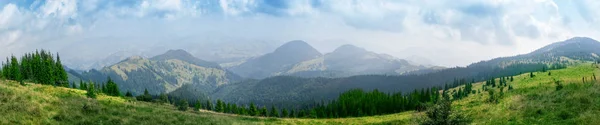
(109, 88)
(39, 67)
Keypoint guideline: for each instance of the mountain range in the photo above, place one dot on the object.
(298, 58)
(297, 73)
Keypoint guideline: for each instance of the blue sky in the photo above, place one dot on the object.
(449, 33)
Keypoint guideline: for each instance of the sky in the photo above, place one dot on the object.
(442, 32)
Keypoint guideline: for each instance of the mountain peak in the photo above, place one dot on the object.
(177, 52)
(348, 48)
(294, 46)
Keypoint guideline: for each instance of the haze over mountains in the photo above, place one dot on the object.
(297, 73)
(297, 58)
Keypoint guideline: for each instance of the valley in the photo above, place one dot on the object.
(532, 100)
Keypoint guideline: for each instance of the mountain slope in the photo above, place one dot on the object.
(288, 91)
(350, 60)
(164, 73)
(41, 104)
(281, 59)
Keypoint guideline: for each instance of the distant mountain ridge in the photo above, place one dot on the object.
(351, 60)
(164, 73)
(298, 58)
(280, 60)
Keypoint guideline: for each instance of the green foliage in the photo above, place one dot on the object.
(357, 103)
(128, 94)
(285, 113)
(145, 97)
(111, 88)
(441, 114)
(531, 75)
(558, 84)
(91, 92)
(263, 111)
(209, 105)
(220, 106)
(197, 105)
(182, 105)
(274, 112)
(39, 67)
(163, 98)
(253, 111)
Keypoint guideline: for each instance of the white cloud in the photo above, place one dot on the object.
(465, 29)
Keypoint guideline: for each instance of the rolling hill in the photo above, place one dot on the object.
(164, 73)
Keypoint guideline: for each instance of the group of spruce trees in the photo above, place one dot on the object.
(39, 67)
(109, 88)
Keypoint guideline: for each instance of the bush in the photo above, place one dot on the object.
(558, 85)
(182, 105)
(90, 107)
(441, 114)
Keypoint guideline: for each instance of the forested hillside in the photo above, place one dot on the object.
(164, 73)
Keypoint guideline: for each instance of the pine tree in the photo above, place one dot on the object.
(61, 74)
(209, 105)
(183, 105)
(531, 75)
(73, 85)
(263, 111)
(284, 113)
(274, 112)
(112, 88)
(197, 105)
(91, 92)
(163, 98)
(128, 94)
(220, 107)
(253, 110)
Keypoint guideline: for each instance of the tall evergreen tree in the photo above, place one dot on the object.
(91, 92)
(253, 110)
(285, 113)
(274, 112)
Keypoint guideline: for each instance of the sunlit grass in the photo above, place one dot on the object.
(532, 101)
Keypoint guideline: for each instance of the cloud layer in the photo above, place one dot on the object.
(470, 30)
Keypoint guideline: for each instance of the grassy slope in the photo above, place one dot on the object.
(536, 100)
(40, 104)
(533, 101)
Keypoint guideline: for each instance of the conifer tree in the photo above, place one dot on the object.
(274, 112)
(164, 98)
(182, 105)
(128, 94)
(91, 92)
(209, 105)
(263, 111)
(197, 105)
(220, 107)
(253, 110)
(61, 74)
(285, 113)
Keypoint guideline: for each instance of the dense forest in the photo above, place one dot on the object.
(39, 67)
(293, 92)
